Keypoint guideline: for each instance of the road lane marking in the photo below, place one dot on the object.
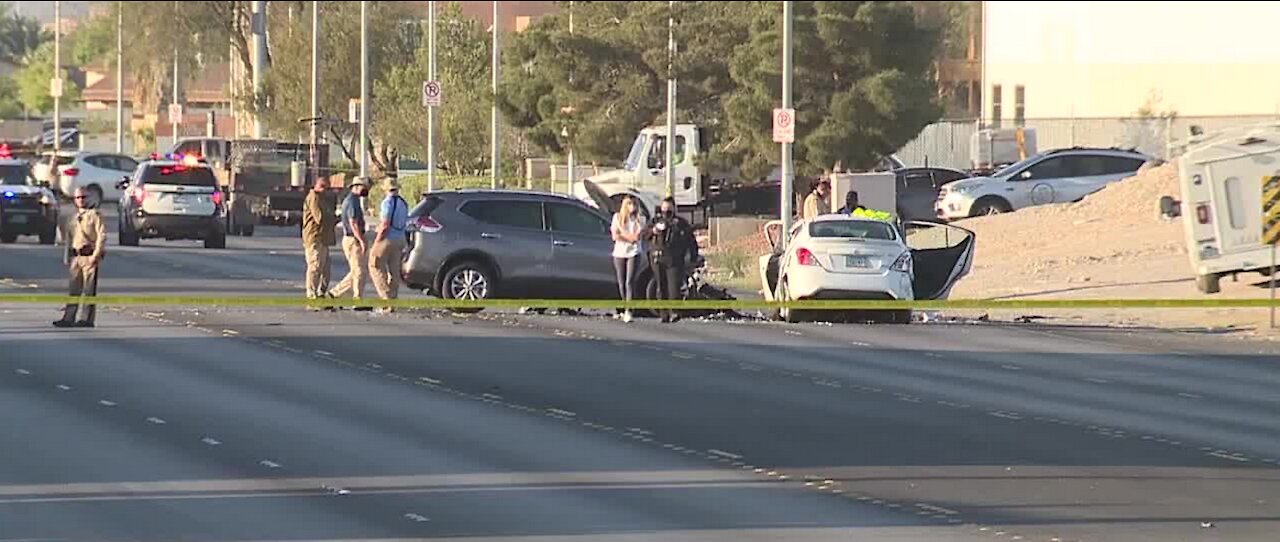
(1005, 415)
(1190, 395)
(63, 387)
(291, 349)
(1098, 380)
(723, 454)
(1011, 367)
(155, 420)
(932, 355)
(323, 353)
(106, 403)
(417, 518)
(491, 396)
(269, 464)
(429, 380)
(211, 441)
(23, 372)
(683, 355)
(560, 412)
(1222, 454)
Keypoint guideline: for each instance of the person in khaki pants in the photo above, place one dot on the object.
(388, 246)
(354, 245)
(318, 222)
(86, 239)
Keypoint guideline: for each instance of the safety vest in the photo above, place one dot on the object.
(873, 214)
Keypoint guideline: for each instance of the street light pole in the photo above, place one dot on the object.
(495, 158)
(573, 163)
(671, 100)
(787, 172)
(315, 90)
(364, 88)
(431, 110)
(258, 27)
(177, 119)
(120, 77)
(57, 75)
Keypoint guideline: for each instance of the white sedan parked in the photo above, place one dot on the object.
(841, 257)
(97, 172)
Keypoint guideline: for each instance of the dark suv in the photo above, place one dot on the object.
(481, 244)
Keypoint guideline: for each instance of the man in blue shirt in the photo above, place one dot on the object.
(354, 244)
(388, 245)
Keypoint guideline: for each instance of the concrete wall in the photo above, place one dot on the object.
(1103, 59)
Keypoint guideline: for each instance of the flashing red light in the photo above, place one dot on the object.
(5, 152)
(139, 194)
(217, 198)
(71, 172)
(166, 171)
(805, 257)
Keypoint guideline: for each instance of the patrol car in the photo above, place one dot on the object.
(172, 197)
(27, 207)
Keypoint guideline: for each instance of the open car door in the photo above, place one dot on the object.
(943, 254)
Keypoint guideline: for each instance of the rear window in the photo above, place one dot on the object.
(14, 174)
(851, 229)
(425, 207)
(516, 214)
(179, 175)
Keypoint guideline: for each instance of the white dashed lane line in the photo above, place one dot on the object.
(107, 403)
(1190, 395)
(269, 464)
(63, 387)
(156, 421)
(211, 441)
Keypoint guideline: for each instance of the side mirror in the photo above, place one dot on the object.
(1170, 208)
(123, 184)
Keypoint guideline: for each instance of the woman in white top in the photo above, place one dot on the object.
(625, 230)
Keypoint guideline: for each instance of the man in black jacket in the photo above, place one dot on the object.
(671, 246)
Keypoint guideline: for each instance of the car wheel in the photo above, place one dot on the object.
(468, 281)
(125, 237)
(991, 206)
(8, 238)
(215, 239)
(1209, 284)
(790, 316)
(49, 236)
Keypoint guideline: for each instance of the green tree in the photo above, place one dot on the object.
(864, 85)
(10, 105)
(34, 78)
(19, 36)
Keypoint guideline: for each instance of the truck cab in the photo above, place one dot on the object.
(644, 168)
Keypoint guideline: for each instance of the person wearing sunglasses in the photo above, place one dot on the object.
(86, 239)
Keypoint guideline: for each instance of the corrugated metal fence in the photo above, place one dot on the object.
(946, 143)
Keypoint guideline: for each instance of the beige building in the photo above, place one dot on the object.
(1105, 59)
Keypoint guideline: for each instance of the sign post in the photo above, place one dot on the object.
(432, 94)
(1271, 230)
(784, 125)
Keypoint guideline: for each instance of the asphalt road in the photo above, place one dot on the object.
(279, 424)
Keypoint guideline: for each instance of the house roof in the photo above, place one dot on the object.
(211, 85)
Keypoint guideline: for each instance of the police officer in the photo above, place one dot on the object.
(671, 246)
(86, 241)
(318, 221)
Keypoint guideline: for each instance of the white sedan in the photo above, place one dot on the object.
(841, 257)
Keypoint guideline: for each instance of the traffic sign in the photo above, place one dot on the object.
(175, 113)
(784, 125)
(432, 94)
(1271, 210)
(353, 110)
(55, 87)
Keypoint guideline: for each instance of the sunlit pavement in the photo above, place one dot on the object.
(278, 424)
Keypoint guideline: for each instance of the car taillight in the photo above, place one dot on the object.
(71, 172)
(805, 257)
(217, 198)
(425, 224)
(139, 194)
(1202, 214)
(903, 263)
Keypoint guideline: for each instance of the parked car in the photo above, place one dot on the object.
(1060, 176)
(483, 244)
(27, 206)
(841, 257)
(918, 189)
(96, 172)
(42, 168)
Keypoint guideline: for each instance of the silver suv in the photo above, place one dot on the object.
(481, 244)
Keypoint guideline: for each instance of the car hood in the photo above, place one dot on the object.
(968, 184)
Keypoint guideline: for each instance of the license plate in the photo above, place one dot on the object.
(859, 262)
(17, 219)
(182, 199)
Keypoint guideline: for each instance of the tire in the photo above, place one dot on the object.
(49, 236)
(1209, 284)
(790, 316)
(125, 237)
(215, 239)
(8, 238)
(990, 206)
(468, 280)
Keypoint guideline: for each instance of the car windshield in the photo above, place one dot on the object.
(15, 174)
(179, 175)
(636, 153)
(852, 229)
(1015, 167)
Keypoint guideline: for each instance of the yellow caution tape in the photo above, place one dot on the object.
(747, 304)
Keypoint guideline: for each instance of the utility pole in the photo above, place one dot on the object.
(671, 99)
(177, 119)
(788, 174)
(120, 77)
(431, 110)
(494, 146)
(573, 163)
(314, 151)
(258, 27)
(57, 82)
(364, 88)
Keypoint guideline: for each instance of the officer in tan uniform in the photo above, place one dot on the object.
(86, 239)
(318, 221)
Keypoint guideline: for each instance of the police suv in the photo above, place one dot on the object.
(27, 207)
(172, 197)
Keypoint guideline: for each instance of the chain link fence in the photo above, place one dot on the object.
(947, 143)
